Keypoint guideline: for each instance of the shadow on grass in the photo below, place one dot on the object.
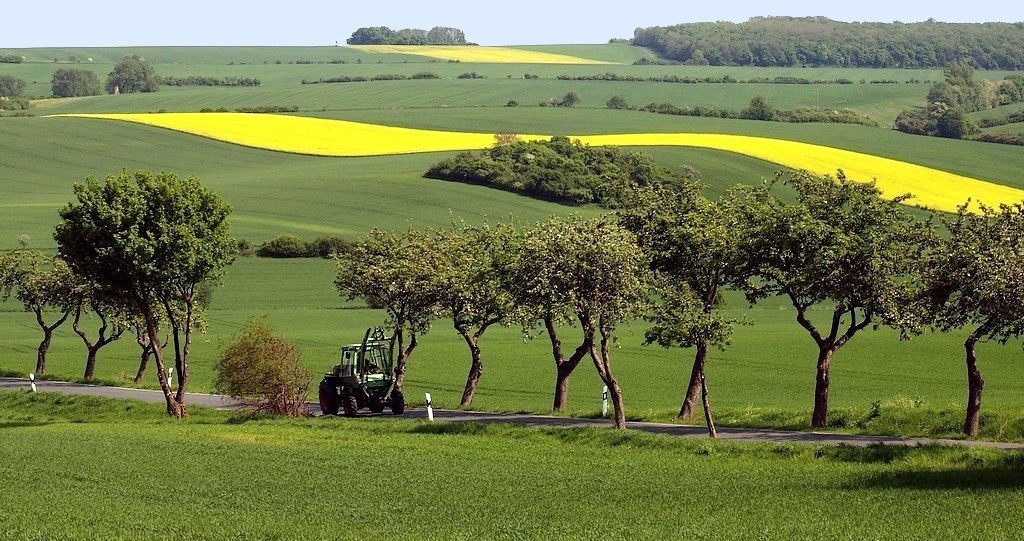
(22, 424)
(969, 479)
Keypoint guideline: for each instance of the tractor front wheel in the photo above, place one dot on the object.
(350, 405)
(328, 398)
(397, 402)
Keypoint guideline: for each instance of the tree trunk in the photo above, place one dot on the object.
(90, 363)
(174, 407)
(143, 363)
(475, 369)
(403, 360)
(975, 384)
(564, 370)
(820, 415)
(44, 346)
(617, 405)
(693, 390)
(707, 406)
(563, 367)
(603, 363)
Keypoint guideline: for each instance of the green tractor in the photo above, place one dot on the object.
(365, 378)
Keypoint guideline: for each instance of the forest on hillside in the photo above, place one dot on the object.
(819, 41)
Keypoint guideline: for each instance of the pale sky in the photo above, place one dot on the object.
(519, 22)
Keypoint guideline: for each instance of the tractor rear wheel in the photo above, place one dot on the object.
(397, 402)
(328, 398)
(350, 405)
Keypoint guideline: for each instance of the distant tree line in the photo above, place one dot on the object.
(759, 109)
(11, 59)
(258, 109)
(818, 41)
(380, 77)
(382, 35)
(204, 80)
(558, 170)
(686, 79)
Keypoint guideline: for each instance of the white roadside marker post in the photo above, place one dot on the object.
(604, 402)
(170, 377)
(430, 409)
(32, 381)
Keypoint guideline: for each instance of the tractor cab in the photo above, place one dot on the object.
(364, 377)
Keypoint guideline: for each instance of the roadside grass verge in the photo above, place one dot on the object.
(112, 472)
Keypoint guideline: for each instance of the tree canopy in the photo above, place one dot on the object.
(976, 283)
(73, 82)
(11, 86)
(132, 74)
(382, 35)
(840, 245)
(150, 241)
(391, 271)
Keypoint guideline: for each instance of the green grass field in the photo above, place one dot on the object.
(66, 473)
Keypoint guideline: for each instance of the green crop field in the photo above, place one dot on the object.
(766, 377)
(382, 479)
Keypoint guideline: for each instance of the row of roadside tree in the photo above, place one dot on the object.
(839, 248)
(142, 251)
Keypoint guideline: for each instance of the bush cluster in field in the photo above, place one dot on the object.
(289, 246)
(559, 170)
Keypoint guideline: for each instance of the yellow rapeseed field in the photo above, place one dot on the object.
(491, 55)
(323, 137)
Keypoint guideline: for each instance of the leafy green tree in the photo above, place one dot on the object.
(373, 35)
(11, 86)
(72, 82)
(45, 286)
(955, 124)
(468, 265)
(133, 74)
(698, 248)
(588, 272)
(617, 102)
(390, 271)
(840, 245)
(976, 283)
(759, 109)
(150, 241)
(444, 35)
(570, 99)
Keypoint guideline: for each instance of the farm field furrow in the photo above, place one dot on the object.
(303, 135)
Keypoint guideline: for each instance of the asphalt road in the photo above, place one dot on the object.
(546, 421)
